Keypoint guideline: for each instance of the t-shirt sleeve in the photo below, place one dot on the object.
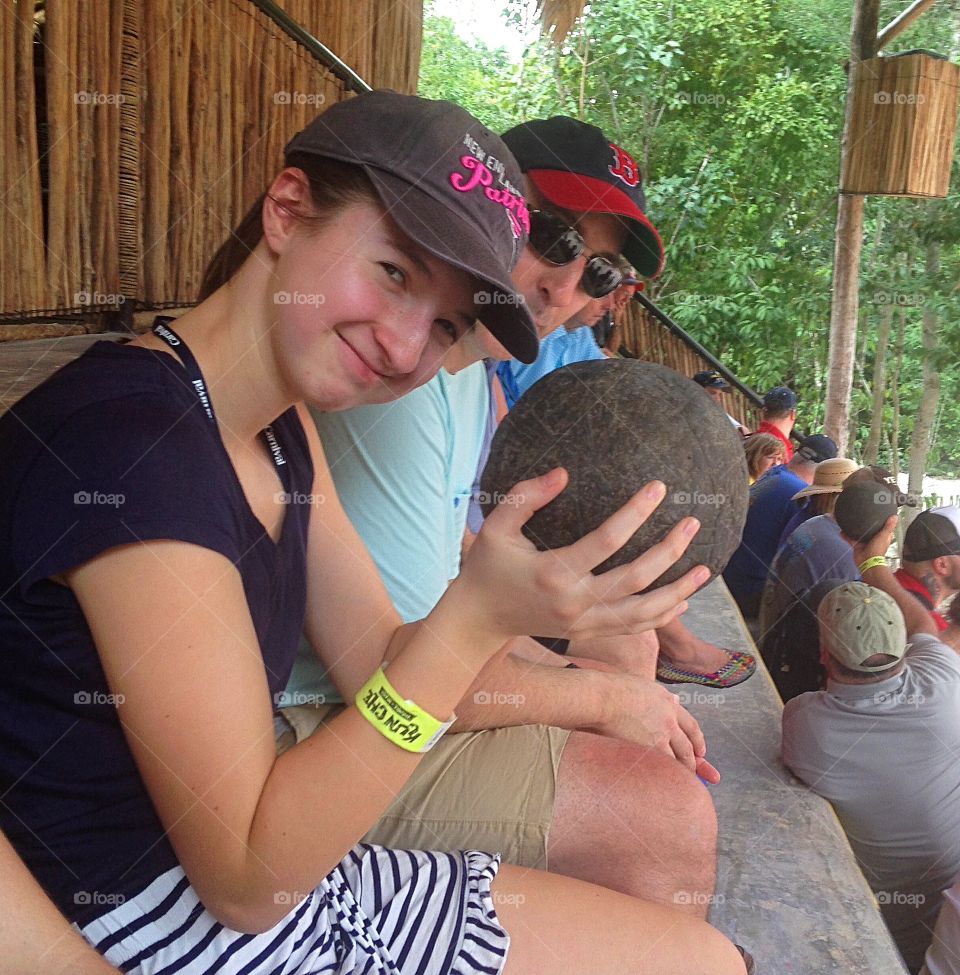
(118, 472)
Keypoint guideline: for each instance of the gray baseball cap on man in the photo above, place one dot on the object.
(857, 622)
(449, 183)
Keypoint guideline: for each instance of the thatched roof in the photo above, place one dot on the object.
(557, 17)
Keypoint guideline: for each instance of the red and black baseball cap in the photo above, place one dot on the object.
(575, 166)
(448, 182)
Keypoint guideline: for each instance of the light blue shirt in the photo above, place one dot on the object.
(404, 472)
(559, 348)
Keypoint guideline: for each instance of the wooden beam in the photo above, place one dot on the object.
(900, 23)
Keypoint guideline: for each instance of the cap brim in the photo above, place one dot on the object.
(442, 231)
(584, 194)
(817, 489)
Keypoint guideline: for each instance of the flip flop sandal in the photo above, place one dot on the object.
(738, 668)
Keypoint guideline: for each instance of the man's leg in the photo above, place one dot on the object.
(633, 820)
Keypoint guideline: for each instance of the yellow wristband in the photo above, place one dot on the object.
(871, 563)
(399, 720)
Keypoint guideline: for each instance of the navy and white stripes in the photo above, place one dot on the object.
(395, 912)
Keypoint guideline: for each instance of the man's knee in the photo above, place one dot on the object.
(625, 796)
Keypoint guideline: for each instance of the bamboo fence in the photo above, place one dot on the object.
(134, 136)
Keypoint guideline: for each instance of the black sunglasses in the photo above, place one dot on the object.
(559, 243)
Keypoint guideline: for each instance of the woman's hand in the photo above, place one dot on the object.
(509, 588)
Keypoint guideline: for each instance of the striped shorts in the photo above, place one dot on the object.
(379, 911)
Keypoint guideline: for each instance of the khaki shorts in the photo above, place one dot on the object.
(480, 790)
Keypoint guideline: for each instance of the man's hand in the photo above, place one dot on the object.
(646, 713)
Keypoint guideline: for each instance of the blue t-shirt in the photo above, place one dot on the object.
(113, 449)
(769, 511)
(559, 348)
(404, 472)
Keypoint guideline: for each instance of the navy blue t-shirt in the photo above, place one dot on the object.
(113, 449)
(769, 511)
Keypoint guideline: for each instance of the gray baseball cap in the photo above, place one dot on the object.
(449, 183)
(858, 621)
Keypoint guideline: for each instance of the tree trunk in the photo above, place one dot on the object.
(923, 426)
(846, 255)
(895, 393)
(872, 450)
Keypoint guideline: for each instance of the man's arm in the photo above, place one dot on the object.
(510, 691)
(916, 616)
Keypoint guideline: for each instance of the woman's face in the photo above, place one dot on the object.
(362, 314)
(771, 460)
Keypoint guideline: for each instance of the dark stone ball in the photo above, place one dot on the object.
(616, 424)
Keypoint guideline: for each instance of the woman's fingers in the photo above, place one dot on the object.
(646, 568)
(609, 537)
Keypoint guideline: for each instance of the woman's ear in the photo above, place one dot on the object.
(287, 200)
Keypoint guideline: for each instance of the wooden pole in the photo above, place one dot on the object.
(846, 258)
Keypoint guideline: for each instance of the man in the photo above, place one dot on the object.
(815, 553)
(594, 806)
(880, 743)
(931, 559)
(779, 416)
(771, 507)
(714, 385)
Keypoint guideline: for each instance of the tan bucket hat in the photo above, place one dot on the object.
(829, 477)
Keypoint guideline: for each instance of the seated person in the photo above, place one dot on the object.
(880, 744)
(779, 415)
(763, 451)
(816, 552)
(557, 744)
(943, 955)
(771, 507)
(820, 497)
(714, 385)
(930, 569)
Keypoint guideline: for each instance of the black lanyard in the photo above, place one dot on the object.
(162, 329)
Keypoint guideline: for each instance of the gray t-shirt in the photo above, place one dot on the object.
(887, 756)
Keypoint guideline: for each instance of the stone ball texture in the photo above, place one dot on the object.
(616, 424)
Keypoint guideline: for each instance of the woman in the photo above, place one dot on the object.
(170, 526)
(763, 451)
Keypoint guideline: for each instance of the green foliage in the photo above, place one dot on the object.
(734, 109)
